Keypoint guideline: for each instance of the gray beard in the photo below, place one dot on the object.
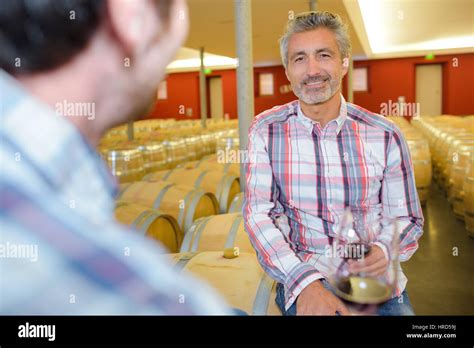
(319, 97)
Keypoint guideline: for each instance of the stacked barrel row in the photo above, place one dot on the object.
(163, 129)
(420, 155)
(160, 145)
(154, 188)
(178, 208)
(193, 207)
(451, 139)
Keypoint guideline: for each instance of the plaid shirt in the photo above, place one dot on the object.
(61, 250)
(301, 178)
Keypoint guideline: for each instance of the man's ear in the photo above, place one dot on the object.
(286, 73)
(126, 21)
(345, 65)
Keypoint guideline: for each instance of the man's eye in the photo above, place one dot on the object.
(325, 55)
(299, 59)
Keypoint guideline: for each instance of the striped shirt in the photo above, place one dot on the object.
(61, 250)
(301, 178)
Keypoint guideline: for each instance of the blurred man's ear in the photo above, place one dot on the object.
(128, 21)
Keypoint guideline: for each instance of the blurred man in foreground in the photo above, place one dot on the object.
(71, 70)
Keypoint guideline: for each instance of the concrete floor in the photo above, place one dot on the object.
(438, 282)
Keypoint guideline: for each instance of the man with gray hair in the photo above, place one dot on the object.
(312, 159)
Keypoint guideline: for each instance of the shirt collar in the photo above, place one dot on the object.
(341, 118)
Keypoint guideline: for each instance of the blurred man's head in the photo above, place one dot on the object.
(315, 51)
(109, 52)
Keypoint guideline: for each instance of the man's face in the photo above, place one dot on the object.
(315, 68)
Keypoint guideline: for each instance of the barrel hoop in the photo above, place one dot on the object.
(149, 220)
(229, 243)
(225, 190)
(160, 196)
(188, 236)
(198, 233)
(262, 298)
(235, 202)
(201, 161)
(233, 205)
(183, 261)
(200, 178)
(136, 223)
(123, 191)
(188, 219)
(181, 216)
(167, 175)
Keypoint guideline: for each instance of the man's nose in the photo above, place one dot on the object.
(314, 67)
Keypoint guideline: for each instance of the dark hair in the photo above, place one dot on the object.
(38, 35)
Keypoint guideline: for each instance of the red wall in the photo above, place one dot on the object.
(266, 102)
(391, 78)
(183, 89)
(388, 79)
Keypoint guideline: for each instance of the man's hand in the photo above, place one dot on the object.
(316, 300)
(374, 263)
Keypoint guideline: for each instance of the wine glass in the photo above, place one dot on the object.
(355, 238)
